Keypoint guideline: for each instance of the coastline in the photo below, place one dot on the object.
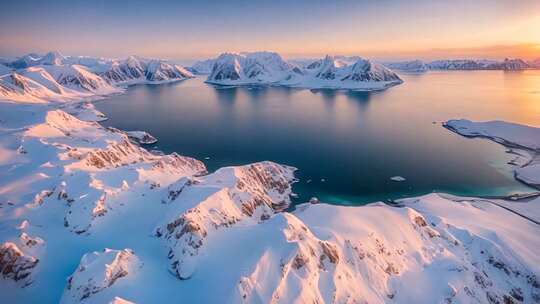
(192, 213)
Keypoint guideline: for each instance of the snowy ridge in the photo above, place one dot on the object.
(53, 77)
(100, 270)
(91, 155)
(249, 68)
(202, 67)
(355, 256)
(267, 68)
(230, 195)
(79, 188)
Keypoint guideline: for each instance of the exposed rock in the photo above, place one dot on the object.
(15, 264)
(142, 137)
(100, 270)
(252, 192)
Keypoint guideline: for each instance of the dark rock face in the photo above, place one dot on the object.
(364, 70)
(15, 265)
(259, 190)
(78, 80)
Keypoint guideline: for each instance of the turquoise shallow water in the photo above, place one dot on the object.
(346, 145)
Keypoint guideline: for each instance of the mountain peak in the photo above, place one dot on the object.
(52, 58)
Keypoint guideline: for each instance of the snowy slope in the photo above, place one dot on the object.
(134, 70)
(202, 67)
(54, 77)
(250, 68)
(51, 58)
(535, 63)
(362, 74)
(4, 70)
(268, 68)
(88, 216)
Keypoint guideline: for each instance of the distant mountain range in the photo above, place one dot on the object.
(464, 64)
(205, 67)
(53, 76)
(38, 78)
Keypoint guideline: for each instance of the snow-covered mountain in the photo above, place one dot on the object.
(140, 70)
(91, 217)
(311, 63)
(51, 58)
(269, 68)
(60, 78)
(42, 83)
(250, 68)
(514, 64)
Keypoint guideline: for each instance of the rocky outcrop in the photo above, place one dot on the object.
(18, 258)
(226, 197)
(142, 137)
(100, 270)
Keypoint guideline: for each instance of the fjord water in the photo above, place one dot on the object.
(346, 145)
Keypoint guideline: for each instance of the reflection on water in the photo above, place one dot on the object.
(346, 145)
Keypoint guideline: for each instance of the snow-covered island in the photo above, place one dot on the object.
(89, 216)
(269, 68)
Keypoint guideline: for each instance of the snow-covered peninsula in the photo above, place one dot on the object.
(90, 216)
(523, 142)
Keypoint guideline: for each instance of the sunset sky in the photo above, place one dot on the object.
(197, 29)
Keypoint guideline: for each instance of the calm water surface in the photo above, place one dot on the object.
(346, 145)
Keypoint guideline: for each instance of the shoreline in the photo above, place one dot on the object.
(164, 215)
(528, 154)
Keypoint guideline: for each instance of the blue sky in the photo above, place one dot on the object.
(198, 29)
